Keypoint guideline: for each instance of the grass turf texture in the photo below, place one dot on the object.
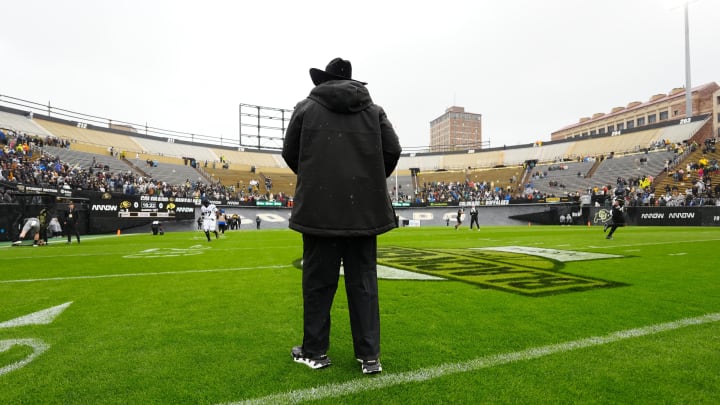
(175, 319)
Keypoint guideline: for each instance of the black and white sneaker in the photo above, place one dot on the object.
(17, 243)
(314, 362)
(370, 366)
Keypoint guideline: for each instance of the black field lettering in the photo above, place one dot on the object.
(512, 272)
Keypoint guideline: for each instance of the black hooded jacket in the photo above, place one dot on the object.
(342, 148)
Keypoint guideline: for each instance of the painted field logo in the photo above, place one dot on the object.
(517, 269)
(168, 252)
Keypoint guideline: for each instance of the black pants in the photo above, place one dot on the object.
(321, 264)
(71, 229)
(614, 226)
(474, 220)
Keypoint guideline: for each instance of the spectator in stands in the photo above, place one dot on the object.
(340, 207)
(675, 199)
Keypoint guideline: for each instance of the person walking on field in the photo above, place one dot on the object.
(342, 147)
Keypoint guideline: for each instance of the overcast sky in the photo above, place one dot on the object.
(530, 67)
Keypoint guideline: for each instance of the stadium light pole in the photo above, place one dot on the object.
(688, 88)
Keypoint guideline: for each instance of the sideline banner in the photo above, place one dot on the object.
(662, 216)
(668, 216)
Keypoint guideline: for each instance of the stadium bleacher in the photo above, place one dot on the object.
(632, 156)
(100, 140)
(21, 123)
(198, 153)
(172, 173)
(568, 177)
(87, 159)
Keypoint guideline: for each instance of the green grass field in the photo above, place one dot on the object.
(546, 315)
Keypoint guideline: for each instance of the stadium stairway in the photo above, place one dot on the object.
(666, 179)
(85, 159)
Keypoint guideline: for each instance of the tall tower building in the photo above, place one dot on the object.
(456, 130)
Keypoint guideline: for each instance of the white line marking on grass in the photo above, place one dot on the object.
(161, 273)
(674, 242)
(168, 252)
(43, 317)
(38, 347)
(554, 254)
(215, 248)
(442, 370)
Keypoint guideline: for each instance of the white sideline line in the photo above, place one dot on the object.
(425, 374)
(674, 242)
(160, 273)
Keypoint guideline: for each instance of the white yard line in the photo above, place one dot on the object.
(442, 370)
(161, 273)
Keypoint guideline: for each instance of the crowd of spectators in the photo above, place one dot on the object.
(452, 192)
(23, 161)
(636, 190)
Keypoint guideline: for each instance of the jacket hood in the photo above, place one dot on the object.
(342, 96)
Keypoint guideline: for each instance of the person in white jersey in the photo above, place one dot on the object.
(209, 216)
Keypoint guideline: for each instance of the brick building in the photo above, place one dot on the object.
(456, 129)
(637, 114)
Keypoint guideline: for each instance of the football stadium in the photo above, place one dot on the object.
(522, 309)
(578, 268)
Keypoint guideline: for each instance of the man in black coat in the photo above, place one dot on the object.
(474, 218)
(342, 147)
(70, 223)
